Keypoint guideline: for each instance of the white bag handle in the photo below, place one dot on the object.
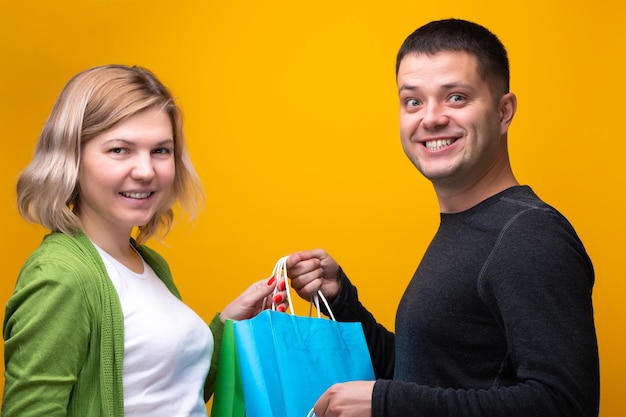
(280, 271)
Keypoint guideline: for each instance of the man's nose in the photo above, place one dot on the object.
(435, 115)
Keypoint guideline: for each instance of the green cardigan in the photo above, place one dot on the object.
(64, 333)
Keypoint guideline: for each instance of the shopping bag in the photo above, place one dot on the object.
(287, 361)
(228, 394)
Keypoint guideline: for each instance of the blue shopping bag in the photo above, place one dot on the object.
(287, 362)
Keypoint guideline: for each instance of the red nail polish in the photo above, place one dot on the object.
(281, 308)
(278, 298)
(282, 286)
(271, 281)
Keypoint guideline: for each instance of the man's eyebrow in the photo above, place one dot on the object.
(452, 85)
(407, 87)
(448, 86)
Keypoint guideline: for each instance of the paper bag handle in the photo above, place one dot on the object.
(280, 271)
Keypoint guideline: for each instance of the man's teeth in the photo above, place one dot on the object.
(438, 144)
(136, 195)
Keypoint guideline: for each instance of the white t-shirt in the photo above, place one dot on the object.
(167, 347)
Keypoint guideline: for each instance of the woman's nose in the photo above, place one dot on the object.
(143, 167)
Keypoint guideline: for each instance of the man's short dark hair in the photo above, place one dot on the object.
(462, 35)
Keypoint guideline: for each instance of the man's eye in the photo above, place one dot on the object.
(412, 102)
(456, 98)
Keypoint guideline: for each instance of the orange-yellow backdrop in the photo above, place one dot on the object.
(291, 115)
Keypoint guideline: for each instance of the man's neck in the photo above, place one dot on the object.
(456, 200)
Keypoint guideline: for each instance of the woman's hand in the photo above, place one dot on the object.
(256, 298)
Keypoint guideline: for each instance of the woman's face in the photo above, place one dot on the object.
(126, 174)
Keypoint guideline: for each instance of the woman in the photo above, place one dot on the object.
(95, 326)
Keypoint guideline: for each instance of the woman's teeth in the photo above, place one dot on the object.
(136, 195)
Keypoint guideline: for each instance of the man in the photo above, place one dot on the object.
(498, 319)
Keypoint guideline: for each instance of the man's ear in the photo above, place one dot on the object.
(507, 108)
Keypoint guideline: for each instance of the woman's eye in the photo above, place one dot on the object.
(118, 150)
(163, 151)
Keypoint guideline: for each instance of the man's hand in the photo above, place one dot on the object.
(349, 399)
(311, 271)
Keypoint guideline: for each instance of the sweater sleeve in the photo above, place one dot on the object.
(217, 329)
(46, 332)
(380, 342)
(537, 283)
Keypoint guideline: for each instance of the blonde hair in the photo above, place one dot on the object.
(91, 103)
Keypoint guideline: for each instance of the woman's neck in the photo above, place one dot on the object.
(119, 247)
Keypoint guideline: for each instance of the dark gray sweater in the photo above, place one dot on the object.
(496, 322)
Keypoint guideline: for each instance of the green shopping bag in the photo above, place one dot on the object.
(228, 394)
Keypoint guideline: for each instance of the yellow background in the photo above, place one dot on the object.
(291, 117)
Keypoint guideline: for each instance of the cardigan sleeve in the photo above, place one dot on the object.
(217, 328)
(46, 331)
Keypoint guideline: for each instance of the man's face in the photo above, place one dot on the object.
(451, 126)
